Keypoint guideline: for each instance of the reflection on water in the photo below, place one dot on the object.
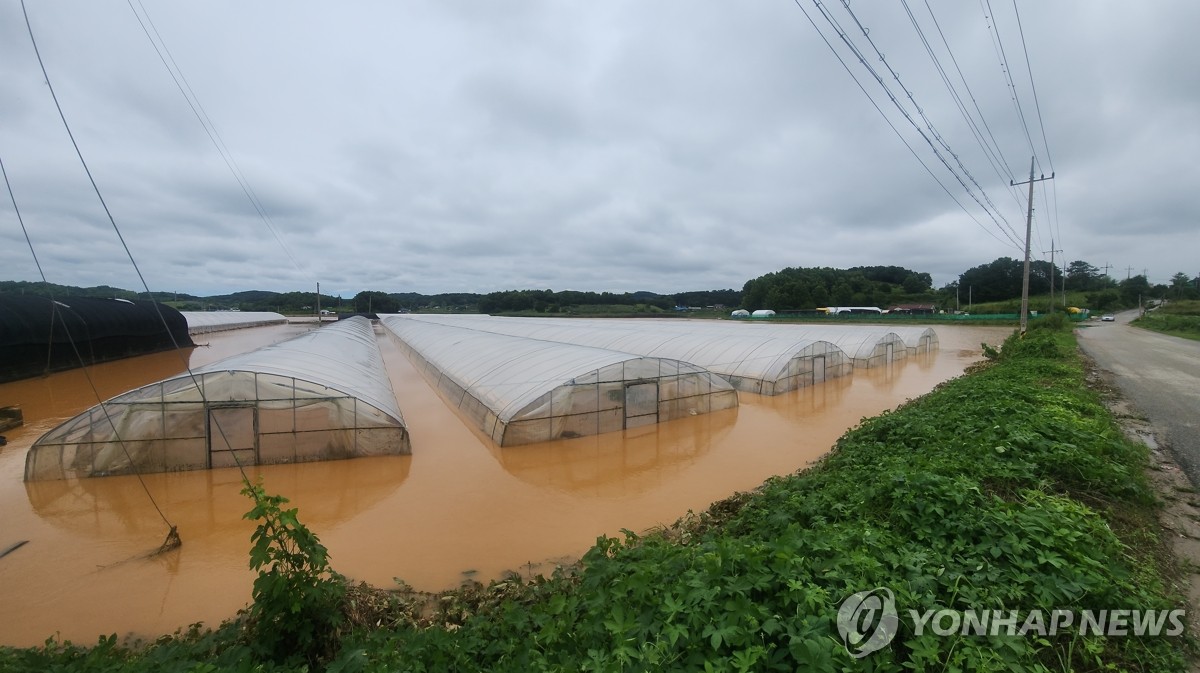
(458, 507)
(617, 464)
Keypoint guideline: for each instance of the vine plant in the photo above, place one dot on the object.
(297, 595)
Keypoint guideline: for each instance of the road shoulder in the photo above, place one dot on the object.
(1180, 512)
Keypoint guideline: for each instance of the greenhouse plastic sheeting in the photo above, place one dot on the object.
(519, 390)
(918, 339)
(757, 363)
(40, 335)
(323, 395)
(200, 322)
(864, 345)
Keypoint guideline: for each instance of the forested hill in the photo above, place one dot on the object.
(806, 289)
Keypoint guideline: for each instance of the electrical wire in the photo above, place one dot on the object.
(989, 152)
(210, 129)
(1008, 233)
(928, 123)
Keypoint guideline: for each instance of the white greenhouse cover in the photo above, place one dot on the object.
(918, 339)
(519, 389)
(867, 345)
(864, 345)
(322, 395)
(753, 362)
(200, 322)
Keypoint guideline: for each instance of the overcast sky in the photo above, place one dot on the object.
(666, 145)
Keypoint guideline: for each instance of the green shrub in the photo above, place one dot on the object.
(297, 596)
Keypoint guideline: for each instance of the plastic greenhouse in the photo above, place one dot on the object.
(323, 395)
(918, 339)
(753, 362)
(520, 390)
(39, 335)
(864, 345)
(201, 322)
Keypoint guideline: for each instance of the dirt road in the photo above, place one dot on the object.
(1160, 375)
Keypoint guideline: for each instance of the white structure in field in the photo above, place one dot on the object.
(520, 390)
(323, 395)
(201, 322)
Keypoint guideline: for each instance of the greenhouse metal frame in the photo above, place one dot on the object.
(519, 390)
(756, 363)
(323, 395)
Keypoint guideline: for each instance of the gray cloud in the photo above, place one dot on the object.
(454, 146)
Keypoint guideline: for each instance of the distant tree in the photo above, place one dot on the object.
(1001, 279)
(914, 283)
(375, 302)
(1083, 276)
(1134, 288)
(1181, 286)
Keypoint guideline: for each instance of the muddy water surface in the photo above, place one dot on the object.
(458, 507)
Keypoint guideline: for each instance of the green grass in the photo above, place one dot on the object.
(1177, 318)
(1009, 488)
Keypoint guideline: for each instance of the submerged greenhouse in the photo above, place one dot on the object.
(520, 390)
(754, 362)
(202, 322)
(39, 335)
(323, 395)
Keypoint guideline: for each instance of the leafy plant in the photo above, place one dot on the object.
(297, 596)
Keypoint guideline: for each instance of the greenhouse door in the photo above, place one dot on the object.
(818, 368)
(641, 404)
(232, 436)
(889, 354)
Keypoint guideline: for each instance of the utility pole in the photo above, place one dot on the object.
(319, 295)
(1028, 231)
(1128, 270)
(1052, 269)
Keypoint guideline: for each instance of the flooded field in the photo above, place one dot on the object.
(459, 507)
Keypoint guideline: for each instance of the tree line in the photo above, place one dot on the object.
(789, 289)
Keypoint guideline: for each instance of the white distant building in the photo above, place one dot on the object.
(763, 313)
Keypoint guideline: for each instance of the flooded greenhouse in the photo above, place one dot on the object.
(203, 322)
(520, 390)
(760, 363)
(460, 507)
(323, 395)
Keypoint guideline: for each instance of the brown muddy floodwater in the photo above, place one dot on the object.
(459, 507)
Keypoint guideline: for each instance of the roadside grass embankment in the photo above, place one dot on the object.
(1177, 318)
(1010, 488)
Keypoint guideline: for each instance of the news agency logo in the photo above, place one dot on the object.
(867, 622)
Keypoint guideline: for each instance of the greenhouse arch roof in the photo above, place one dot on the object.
(201, 322)
(756, 362)
(319, 396)
(520, 390)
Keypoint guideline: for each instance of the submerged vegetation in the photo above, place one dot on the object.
(1010, 488)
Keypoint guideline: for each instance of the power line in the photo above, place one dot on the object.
(894, 129)
(921, 112)
(210, 129)
(991, 212)
(998, 44)
(976, 132)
